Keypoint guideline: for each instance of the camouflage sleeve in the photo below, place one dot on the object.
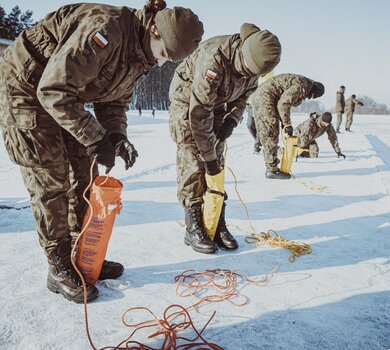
(357, 102)
(77, 63)
(291, 97)
(112, 115)
(304, 132)
(207, 78)
(332, 136)
(236, 109)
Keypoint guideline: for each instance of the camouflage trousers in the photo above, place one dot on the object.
(339, 120)
(189, 164)
(312, 152)
(267, 121)
(349, 121)
(252, 129)
(55, 169)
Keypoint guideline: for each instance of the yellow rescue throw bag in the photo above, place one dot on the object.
(105, 203)
(289, 153)
(213, 201)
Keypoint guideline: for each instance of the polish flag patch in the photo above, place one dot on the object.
(211, 74)
(100, 40)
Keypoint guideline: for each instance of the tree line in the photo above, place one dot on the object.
(13, 23)
(152, 90)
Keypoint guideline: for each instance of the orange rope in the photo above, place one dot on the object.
(166, 328)
(224, 283)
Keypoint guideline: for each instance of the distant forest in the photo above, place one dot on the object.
(152, 90)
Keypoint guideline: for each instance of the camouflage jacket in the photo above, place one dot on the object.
(311, 129)
(350, 104)
(283, 92)
(80, 53)
(205, 82)
(340, 102)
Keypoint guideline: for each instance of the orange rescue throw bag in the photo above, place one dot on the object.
(105, 203)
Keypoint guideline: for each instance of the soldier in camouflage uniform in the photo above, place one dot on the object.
(208, 96)
(311, 129)
(340, 105)
(80, 53)
(350, 109)
(252, 128)
(272, 103)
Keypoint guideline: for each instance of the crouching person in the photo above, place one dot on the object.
(311, 129)
(208, 96)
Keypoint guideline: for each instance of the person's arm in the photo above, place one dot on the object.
(236, 109)
(112, 115)
(332, 136)
(207, 78)
(359, 103)
(304, 132)
(77, 63)
(291, 97)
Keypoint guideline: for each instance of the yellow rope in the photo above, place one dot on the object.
(266, 238)
(310, 185)
(272, 239)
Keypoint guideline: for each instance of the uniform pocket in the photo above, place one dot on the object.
(179, 125)
(40, 147)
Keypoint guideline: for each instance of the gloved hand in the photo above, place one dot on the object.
(104, 152)
(226, 129)
(212, 167)
(288, 130)
(339, 154)
(124, 149)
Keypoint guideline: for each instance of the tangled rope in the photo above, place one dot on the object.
(223, 283)
(272, 239)
(169, 329)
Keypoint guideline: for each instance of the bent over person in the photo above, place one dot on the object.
(208, 96)
(311, 129)
(80, 53)
(272, 103)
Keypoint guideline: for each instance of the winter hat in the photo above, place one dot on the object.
(180, 30)
(260, 49)
(326, 117)
(317, 90)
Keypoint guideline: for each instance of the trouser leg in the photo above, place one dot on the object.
(339, 120)
(349, 120)
(313, 149)
(79, 177)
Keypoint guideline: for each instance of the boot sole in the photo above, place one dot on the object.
(54, 288)
(203, 251)
(225, 247)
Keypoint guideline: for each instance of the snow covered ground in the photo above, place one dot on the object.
(336, 298)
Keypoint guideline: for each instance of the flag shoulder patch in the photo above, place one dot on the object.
(211, 74)
(99, 39)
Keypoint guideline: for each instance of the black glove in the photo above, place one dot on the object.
(288, 130)
(104, 152)
(124, 149)
(339, 154)
(212, 168)
(226, 129)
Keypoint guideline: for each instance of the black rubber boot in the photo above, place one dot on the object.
(111, 270)
(277, 175)
(63, 278)
(196, 236)
(223, 237)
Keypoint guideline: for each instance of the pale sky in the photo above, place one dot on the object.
(337, 42)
